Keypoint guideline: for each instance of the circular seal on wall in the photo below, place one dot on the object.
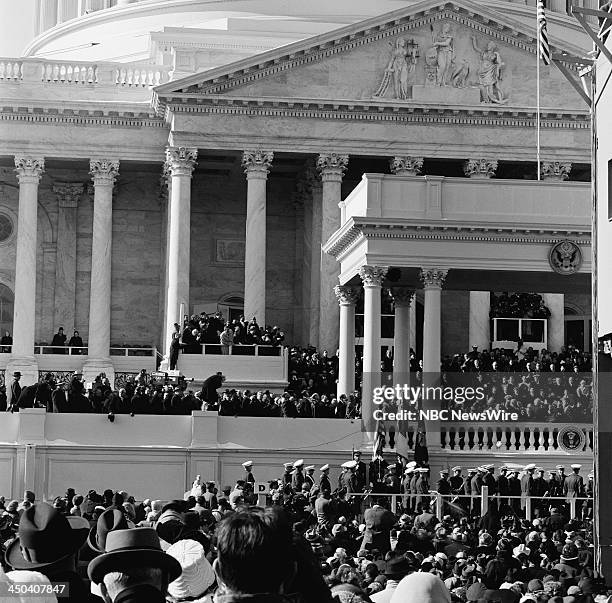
(571, 439)
(565, 257)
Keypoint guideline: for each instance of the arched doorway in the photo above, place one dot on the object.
(232, 306)
(6, 310)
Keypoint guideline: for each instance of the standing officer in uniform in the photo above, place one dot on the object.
(324, 483)
(488, 479)
(422, 487)
(248, 467)
(514, 489)
(15, 391)
(308, 478)
(561, 477)
(297, 476)
(392, 482)
(443, 486)
(287, 475)
(502, 488)
(456, 480)
(574, 484)
(476, 488)
(527, 484)
(466, 490)
(407, 500)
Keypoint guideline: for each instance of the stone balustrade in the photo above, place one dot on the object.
(119, 75)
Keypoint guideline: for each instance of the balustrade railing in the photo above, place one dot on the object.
(513, 437)
(120, 75)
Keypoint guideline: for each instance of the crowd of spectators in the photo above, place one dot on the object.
(310, 545)
(518, 305)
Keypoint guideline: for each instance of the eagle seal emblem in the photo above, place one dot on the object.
(565, 257)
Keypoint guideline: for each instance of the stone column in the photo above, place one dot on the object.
(103, 173)
(180, 163)
(406, 165)
(315, 261)
(481, 169)
(68, 195)
(29, 171)
(556, 323)
(402, 300)
(256, 166)
(433, 279)
(347, 296)
(479, 322)
(331, 167)
(555, 171)
(372, 277)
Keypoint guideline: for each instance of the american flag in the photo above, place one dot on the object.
(543, 46)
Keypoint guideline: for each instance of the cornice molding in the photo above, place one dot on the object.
(479, 115)
(75, 118)
(355, 230)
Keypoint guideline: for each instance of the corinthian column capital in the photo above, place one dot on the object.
(433, 278)
(29, 169)
(373, 276)
(332, 166)
(555, 170)
(104, 171)
(480, 168)
(401, 296)
(347, 296)
(406, 166)
(68, 193)
(257, 163)
(180, 161)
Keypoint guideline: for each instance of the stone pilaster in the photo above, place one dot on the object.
(480, 168)
(68, 196)
(29, 171)
(256, 164)
(433, 280)
(331, 166)
(406, 165)
(555, 170)
(179, 166)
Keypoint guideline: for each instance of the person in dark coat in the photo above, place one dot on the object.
(15, 391)
(573, 486)
(210, 387)
(297, 478)
(175, 346)
(377, 535)
(360, 471)
(59, 402)
(324, 483)
(59, 342)
(443, 486)
(27, 396)
(248, 477)
(527, 484)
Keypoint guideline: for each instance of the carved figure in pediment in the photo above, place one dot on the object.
(400, 69)
(490, 73)
(443, 42)
(461, 74)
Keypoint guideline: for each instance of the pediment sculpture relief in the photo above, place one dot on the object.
(453, 69)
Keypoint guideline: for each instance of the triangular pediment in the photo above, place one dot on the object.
(454, 53)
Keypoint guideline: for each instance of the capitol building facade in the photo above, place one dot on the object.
(302, 163)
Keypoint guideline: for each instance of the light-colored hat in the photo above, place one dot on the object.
(408, 470)
(576, 466)
(349, 464)
(471, 470)
(422, 469)
(310, 468)
(324, 467)
(530, 467)
(560, 467)
(411, 464)
(197, 576)
(457, 468)
(444, 471)
(591, 475)
(247, 464)
(298, 463)
(489, 466)
(521, 549)
(287, 465)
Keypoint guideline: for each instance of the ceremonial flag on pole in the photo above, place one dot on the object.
(379, 441)
(543, 46)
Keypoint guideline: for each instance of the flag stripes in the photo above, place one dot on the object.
(543, 46)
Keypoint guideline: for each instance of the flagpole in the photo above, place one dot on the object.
(539, 44)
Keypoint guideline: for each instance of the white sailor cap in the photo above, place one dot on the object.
(287, 465)
(247, 464)
(298, 463)
(324, 467)
(530, 467)
(411, 464)
(310, 468)
(409, 470)
(456, 468)
(349, 464)
(576, 466)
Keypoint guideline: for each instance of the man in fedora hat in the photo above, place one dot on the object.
(134, 568)
(48, 542)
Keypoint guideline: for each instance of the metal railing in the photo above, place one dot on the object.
(445, 504)
(83, 350)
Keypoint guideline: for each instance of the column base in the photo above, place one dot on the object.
(93, 367)
(26, 365)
